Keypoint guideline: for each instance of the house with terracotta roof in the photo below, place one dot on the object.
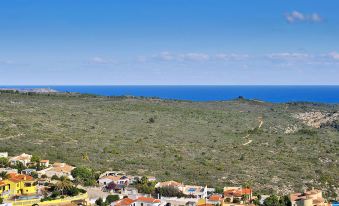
(215, 199)
(24, 158)
(312, 197)
(16, 185)
(123, 202)
(147, 201)
(58, 169)
(44, 163)
(231, 193)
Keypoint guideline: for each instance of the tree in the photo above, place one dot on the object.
(99, 202)
(63, 184)
(111, 198)
(1, 200)
(168, 191)
(272, 200)
(55, 177)
(145, 186)
(3, 162)
(4, 175)
(19, 166)
(285, 201)
(35, 159)
(34, 175)
(84, 174)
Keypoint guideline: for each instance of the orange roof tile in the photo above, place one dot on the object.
(238, 192)
(124, 202)
(19, 177)
(148, 199)
(215, 198)
(44, 161)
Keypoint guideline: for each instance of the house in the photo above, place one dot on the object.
(174, 201)
(170, 184)
(312, 197)
(112, 173)
(123, 202)
(44, 163)
(24, 158)
(195, 191)
(231, 193)
(215, 199)
(16, 185)
(147, 201)
(58, 169)
(3, 154)
(4, 190)
(140, 201)
(192, 190)
(118, 179)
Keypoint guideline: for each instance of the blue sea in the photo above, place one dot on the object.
(279, 94)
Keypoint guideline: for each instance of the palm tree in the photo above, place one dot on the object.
(4, 175)
(63, 184)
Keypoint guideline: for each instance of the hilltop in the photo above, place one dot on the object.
(279, 147)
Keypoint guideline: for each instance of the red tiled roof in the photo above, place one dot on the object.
(215, 198)
(44, 161)
(124, 202)
(18, 177)
(148, 199)
(238, 192)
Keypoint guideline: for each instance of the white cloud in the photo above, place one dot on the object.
(194, 57)
(166, 56)
(231, 57)
(100, 60)
(334, 55)
(296, 16)
(287, 56)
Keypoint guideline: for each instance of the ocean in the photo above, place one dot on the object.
(277, 94)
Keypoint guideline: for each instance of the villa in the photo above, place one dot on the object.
(44, 163)
(192, 190)
(16, 185)
(24, 158)
(312, 197)
(140, 201)
(232, 193)
(195, 191)
(119, 180)
(58, 169)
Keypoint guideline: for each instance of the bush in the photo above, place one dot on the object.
(112, 198)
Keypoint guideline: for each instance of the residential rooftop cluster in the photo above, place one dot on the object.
(27, 179)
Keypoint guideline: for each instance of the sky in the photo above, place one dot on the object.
(169, 42)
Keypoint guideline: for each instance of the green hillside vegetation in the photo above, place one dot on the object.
(194, 142)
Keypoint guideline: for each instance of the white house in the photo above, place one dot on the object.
(118, 179)
(147, 201)
(24, 158)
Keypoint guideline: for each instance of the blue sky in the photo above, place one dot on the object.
(219, 42)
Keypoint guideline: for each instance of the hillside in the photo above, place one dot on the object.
(271, 146)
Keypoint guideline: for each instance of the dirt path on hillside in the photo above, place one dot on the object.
(248, 135)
